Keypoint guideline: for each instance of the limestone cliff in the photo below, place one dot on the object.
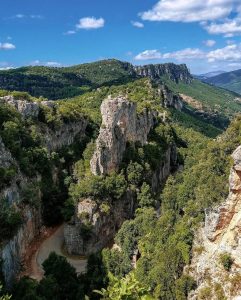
(221, 234)
(174, 72)
(120, 124)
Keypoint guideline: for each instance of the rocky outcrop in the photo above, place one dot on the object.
(169, 99)
(25, 108)
(221, 234)
(174, 72)
(95, 225)
(120, 124)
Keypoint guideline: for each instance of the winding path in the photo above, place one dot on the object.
(54, 243)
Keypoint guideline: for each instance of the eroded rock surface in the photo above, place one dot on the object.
(174, 72)
(120, 124)
(25, 108)
(221, 234)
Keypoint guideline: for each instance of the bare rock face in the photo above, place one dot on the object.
(221, 234)
(174, 72)
(25, 108)
(120, 124)
(6, 158)
(65, 135)
(170, 99)
(94, 225)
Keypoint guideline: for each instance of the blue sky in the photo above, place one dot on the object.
(203, 34)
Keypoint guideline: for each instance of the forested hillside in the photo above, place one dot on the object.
(129, 164)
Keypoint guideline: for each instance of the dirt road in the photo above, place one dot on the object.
(54, 243)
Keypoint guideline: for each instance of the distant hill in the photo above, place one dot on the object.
(208, 75)
(59, 83)
(215, 104)
(229, 80)
(207, 102)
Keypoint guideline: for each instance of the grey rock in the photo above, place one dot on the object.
(120, 124)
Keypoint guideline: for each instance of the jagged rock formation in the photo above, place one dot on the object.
(174, 72)
(221, 234)
(120, 124)
(169, 99)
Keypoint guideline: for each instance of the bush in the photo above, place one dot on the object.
(226, 260)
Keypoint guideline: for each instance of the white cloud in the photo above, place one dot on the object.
(70, 32)
(181, 55)
(5, 65)
(189, 10)
(137, 24)
(6, 68)
(231, 53)
(228, 28)
(47, 63)
(22, 16)
(209, 43)
(19, 16)
(148, 55)
(7, 46)
(90, 23)
(36, 17)
(185, 54)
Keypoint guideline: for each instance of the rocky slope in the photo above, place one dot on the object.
(219, 236)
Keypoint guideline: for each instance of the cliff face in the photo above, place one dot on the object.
(221, 234)
(120, 124)
(174, 72)
(12, 251)
(53, 139)
(25, 108)
(102, 223)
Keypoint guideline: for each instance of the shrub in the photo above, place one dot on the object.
(226, 260)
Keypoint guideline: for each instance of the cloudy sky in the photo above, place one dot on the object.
(204, 34)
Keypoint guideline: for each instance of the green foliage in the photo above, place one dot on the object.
(183, 286)
(127, 288)
(219, 103)
(226, 260)
(10, 219)
(4, 296)
(64, 274)
(144, 197)
(6, 175)
(100, 187)
(189, 120)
